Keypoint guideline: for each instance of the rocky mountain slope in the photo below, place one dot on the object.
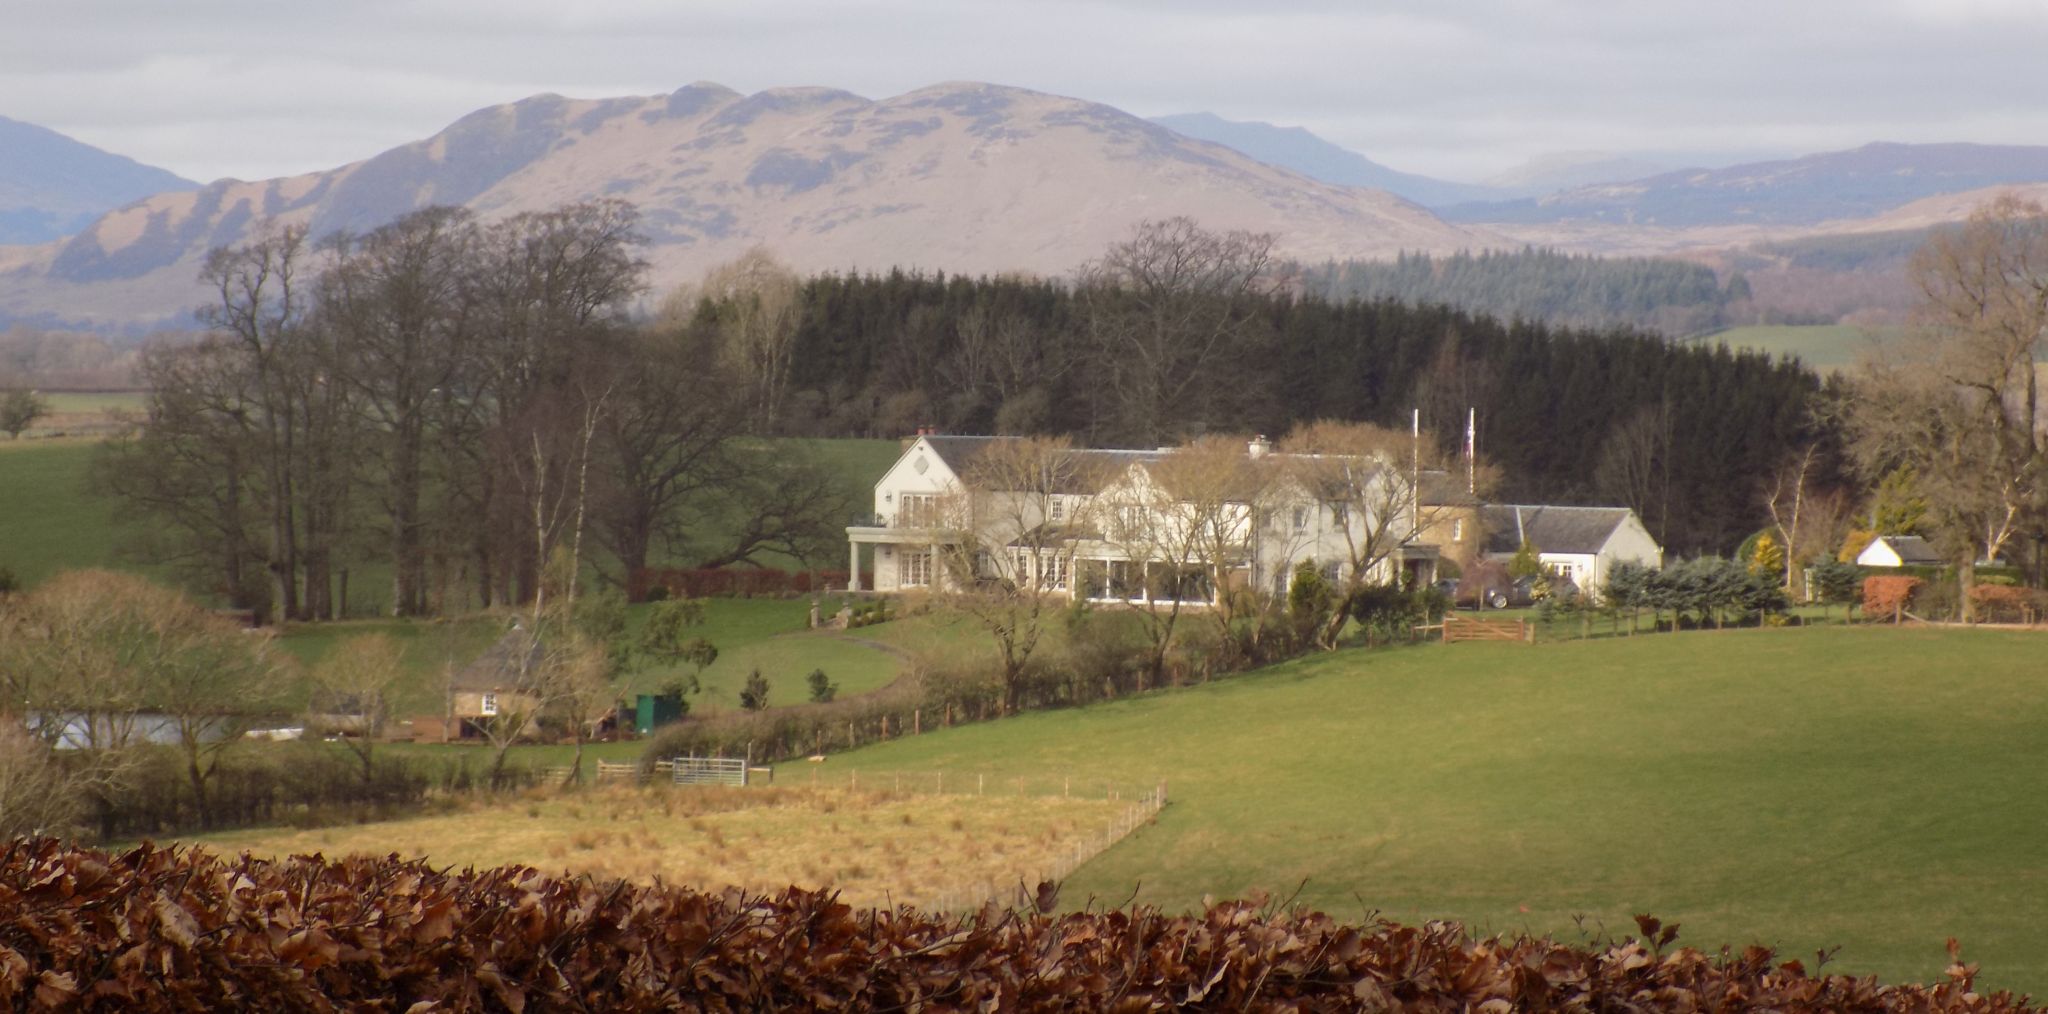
(957, 177)
(51, 186)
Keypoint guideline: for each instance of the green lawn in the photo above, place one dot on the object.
(1876, 789)
(430, 648)
(772, 635)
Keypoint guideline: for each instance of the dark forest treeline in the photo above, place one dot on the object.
(1682, 433)
(1579, 290)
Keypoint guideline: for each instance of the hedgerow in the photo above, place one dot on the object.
(163, 929)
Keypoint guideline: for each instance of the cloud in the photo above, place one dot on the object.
(237, 87)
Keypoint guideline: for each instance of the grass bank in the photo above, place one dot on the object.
(1870, 788)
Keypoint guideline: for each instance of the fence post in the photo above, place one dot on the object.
(917, 721)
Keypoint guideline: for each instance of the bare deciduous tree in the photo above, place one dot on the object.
(1163, 307)
(1009, 552)
(758, 329)
(354, 683)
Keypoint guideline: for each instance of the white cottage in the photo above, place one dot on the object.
(1894, 551)
(1578, 544)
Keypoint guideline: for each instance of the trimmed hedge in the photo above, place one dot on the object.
(155, 929)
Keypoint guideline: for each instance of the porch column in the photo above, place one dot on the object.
(852, 566)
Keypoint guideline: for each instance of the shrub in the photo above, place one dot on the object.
(754, 696)
(822, 688)
(2005, 603)
(1886, 594)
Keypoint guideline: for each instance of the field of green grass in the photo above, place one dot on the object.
(48, 522)
(1823, 347)
(1876, 789)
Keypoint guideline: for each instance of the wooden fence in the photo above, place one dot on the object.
(1464, 628)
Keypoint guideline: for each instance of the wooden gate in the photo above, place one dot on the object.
(1464, 628)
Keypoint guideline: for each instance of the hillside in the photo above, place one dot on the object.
(959, 177)
(1803, 788)
(1297, 149)
(52, 186)
(1860, 183)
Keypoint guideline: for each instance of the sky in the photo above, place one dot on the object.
(1460, 89)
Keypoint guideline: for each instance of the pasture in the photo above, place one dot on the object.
(1876, 789)
(1824, 348)
(876, 847)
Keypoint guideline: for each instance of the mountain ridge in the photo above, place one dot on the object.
(52, 185)
(958, 176)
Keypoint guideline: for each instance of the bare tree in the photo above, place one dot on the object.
(355, 682)
(1964, 410)
(1163, 308)
(1366, 480)
(400, 304)
(1009, 552)
(756, 300)
(1634, 466)
(1183, 525)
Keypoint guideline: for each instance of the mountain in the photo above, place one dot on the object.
(52, 186)
(1564, 170)
(1842, 185)
(957, 177)
(1297, 149)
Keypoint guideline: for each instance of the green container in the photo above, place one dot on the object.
(655, 711)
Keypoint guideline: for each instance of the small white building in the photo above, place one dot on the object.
(1578, 544)
(1892, 551)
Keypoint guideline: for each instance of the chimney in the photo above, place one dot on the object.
(1259, 446)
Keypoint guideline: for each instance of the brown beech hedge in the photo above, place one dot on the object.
(169, 929)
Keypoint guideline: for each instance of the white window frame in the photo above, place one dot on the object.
(917, 510)
(488, 704)
(914, 568)
(1457, 529)
(1056, 508)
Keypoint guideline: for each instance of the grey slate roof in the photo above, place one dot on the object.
(1552, 529)
(1913, 550)
(498, 668)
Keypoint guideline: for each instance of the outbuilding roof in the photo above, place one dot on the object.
(510, 664)
(1551, 529)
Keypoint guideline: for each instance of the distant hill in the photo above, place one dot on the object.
(1567, 169)
(959, 177)
(52, 186)
(1861, 183)
(1297, 149)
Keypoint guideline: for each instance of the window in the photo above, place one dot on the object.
(914, 570)
(1054, 571)
(489, 705)
(1457, 529)
(1056, 508)
(1020, 563)
(1340, 513)
(1562, 570)
(918, 510)
(1300, 519)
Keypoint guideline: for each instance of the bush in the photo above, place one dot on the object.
(1999, 603)
(1885, 594)
(164, 929)
(822, 687)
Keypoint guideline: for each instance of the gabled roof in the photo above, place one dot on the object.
(1913, 550)
(959, 452)
(1579, 530)
(499, 667)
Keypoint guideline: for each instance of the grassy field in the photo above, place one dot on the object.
(48, 522)
(875, 847)
(1824, 347)
(1875, 789)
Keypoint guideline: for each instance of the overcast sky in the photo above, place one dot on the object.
(261, 88)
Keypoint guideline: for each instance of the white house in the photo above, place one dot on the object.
(1891, 551)
(1579, 544)
(1114, 531)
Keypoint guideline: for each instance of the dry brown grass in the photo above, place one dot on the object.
(873, 847)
